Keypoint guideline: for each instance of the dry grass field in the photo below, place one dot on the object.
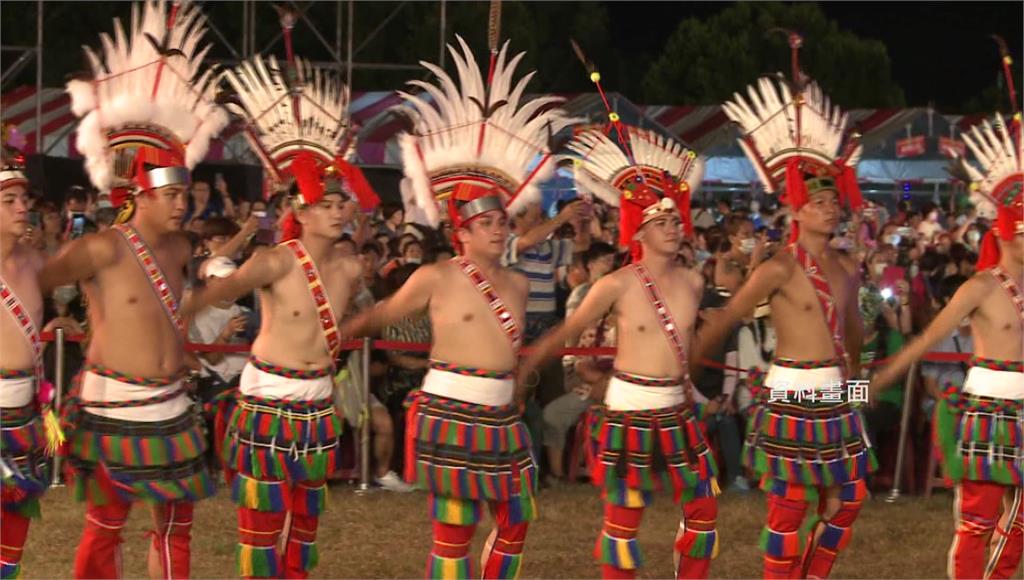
(385, 535)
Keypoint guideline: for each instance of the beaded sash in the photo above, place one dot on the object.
(823, 291)
(157, 280)
(324, 312)
(1008, 284)
(668, 323)
(28, 328)
(498, 308)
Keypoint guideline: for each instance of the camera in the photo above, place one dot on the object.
(77, 225)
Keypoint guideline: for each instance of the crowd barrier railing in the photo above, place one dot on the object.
(366, 345)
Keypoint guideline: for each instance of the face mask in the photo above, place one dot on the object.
(914, 270)
(702, 256)
(893, 239)
(878, 268)
(961, 220)
(973, 236)
(747, 245)
(65, 294)
(413, 260)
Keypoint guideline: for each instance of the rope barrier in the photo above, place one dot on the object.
(940, 357)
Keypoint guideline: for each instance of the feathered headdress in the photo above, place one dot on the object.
(996, 188)
(12, 168)
(648, 177)
(148, 112)
(795, 137)
(299, 127)
(473, 147)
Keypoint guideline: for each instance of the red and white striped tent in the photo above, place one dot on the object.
(705, 128)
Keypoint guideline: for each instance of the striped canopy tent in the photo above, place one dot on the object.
(704, 128)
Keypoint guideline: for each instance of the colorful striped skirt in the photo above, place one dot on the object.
(637, 452)
(981, 438)
(115, 459)
(26, 472)
(468, 451)
(281, 439)
(808, 441)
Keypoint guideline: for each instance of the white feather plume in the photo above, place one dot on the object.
(122, 93)
(268, 105)
(769, 116)
(602, 163)
(999, 157)
(447, 128)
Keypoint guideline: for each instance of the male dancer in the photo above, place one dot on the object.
(132, 434)
(812, 291)
(280, 433)
(648, 436)
(466, 443)
(980, 431)
(24, 468)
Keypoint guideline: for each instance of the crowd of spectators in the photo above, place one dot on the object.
(913, 257)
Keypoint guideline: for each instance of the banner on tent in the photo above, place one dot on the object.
(952, 148)
(910, 147)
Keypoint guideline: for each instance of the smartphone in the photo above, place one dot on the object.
(774, 235)
(33, 219)
(77, 225)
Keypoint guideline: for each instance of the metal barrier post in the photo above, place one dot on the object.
(908, 396)
(58, 395)
(364, 428)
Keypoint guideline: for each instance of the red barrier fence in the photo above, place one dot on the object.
(947, 357)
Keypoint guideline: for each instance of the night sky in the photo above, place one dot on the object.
(940, 51)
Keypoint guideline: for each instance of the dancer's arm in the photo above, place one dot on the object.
(963, 304)
(765, 280)
(413, 296)
(598, 301)
(853, 336)
(79, 260)
(263, 269)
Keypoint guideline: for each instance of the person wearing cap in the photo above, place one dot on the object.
(980, 431)
(648, 436)
(466, 444)
(147, 119)
(279, 431)
(25, 473)
(812, 291)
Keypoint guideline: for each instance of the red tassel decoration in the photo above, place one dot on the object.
(291, 229)
(357, 183)
(989, 254)
(307, 177)
(849, 188)
(796, 190)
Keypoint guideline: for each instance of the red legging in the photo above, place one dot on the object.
(13, 531)
(99, 552)
(262, 530)
(449, 555)
(978, 506)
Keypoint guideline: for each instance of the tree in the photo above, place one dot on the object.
(706, 61)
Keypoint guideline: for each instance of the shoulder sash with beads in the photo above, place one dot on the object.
(324, 312)
(157, 280)
(823, 291)
(665, 318)
(498, 308)
(28, 329)
(1014, 292)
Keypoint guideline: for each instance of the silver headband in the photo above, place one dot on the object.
(481, 205)
(164, 176)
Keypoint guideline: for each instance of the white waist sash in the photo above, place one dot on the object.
(476, 390)
(257, 383)
(782, 378)
(99, 388)
(626, 396)
(992, 383)
(16, 393)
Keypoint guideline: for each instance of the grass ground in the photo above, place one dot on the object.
(384, 535)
